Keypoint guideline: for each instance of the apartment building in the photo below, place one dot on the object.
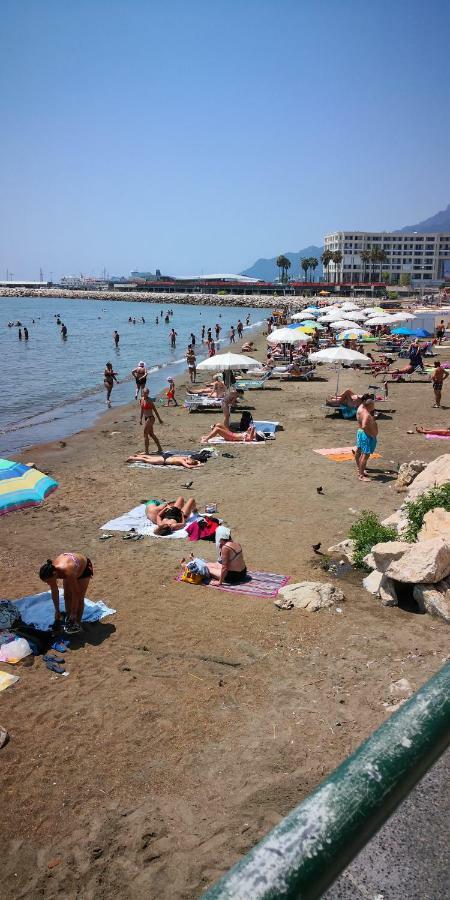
(425, 258)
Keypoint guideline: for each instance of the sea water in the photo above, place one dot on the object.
(51, 387)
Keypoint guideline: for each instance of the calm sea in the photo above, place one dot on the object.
(51, 387)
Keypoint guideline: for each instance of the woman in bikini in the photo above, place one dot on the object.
(148, 413)
(186, 461)
(230, 568)
(76, 571)
(441, 432)
(109, 377)
(171, 516)
(140, 376)
(219, 430)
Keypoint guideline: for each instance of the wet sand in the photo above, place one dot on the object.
(193, 720)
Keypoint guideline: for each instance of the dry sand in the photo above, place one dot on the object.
(191, 721)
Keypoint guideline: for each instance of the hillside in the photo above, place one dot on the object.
(267, 269)
(439, 222)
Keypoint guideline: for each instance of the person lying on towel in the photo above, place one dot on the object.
(248, 437)
(186, 461)
(171, 516)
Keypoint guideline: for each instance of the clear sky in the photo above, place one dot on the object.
(198, 135)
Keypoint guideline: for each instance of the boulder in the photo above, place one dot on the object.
(425, 562)
(436, 523)
(344, 548)
(408, 471)
(372, 582)
(434, 599)
(386, 553)
(437, 472)
(309, 595)
(388, 594)
(369, 561)
(396, 520)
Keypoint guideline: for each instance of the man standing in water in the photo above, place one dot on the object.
(232, 334)
(116, 337)
(64, 330)
(366, 436)
(173, 339)
(25, 332)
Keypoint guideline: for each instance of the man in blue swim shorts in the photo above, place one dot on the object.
(366, 436)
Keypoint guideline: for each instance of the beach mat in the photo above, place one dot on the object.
(259, 584)
(342, 454)
(437, 437)
(38, 610)
(137, 519)
(144, 465)
(220, 441)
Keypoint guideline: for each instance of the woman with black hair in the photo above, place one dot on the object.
(75, 570)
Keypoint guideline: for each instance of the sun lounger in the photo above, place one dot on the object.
(306, 374)
(252, 384)
(194, 402)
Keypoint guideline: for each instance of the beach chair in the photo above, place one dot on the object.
(196, 402)
(304, 373)
(252, 384)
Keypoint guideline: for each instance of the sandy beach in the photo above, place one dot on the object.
(193, 720)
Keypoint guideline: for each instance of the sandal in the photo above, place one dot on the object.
(54, 664)
(72, 628)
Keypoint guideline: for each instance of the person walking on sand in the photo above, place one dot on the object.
(170, 393)
(191, 360)
(366, 436)
(232, 335)
(173, 339)
(440, 331)
(116, 337)
(148, 413)
(140, 376)
(109, 377)
(438, 377)
(76, 571)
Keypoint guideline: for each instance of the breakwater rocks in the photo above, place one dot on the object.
(263, 301)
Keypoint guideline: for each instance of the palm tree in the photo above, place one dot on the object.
(373, 259)
(305, 266)
(283, 264)
(381, 258)
(313, 263)
(365, 258)
(326, 259)
(337, 259)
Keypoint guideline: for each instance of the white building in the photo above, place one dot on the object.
(425, 258)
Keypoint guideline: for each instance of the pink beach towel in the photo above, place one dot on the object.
(259, 584)
(437, 437)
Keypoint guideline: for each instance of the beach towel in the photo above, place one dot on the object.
(342, 454)
(258, 584)
(266, 427)
(437, 437)
(219, 440)
(137, 519)
(38, 610)
(144, 465)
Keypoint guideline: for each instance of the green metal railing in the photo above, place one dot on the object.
(307, 851)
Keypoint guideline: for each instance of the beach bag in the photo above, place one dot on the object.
(196, 572)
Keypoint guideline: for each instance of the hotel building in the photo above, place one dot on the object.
(425, 258)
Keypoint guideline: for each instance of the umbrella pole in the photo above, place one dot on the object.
(337, 382)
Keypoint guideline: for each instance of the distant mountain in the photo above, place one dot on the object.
(267, 269)
(439, 222)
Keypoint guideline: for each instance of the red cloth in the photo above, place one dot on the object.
(202, 529)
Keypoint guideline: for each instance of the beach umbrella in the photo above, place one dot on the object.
(355, 315)
(413, 332)
(349, 305)
(224, 362)
(304, 314)
(308, 323)
(287, 336)
(354, 334)
(340, 324)
(337, 356)
(22, 486)
(324, 293)
(373, 310)
(403, 317)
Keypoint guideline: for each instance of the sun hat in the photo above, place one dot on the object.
(222, 534)
(142, 363)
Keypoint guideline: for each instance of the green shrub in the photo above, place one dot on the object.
(366, 532)
(416, 509)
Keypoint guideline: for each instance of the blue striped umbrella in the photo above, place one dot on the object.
(22, 486)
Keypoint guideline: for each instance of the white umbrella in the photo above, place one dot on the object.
(306, 314)
(336, 356)
(402, 317)
(349, 305)
(380, 320)
(355, 315)
(223, 362)
(287, 336)
(344, 323)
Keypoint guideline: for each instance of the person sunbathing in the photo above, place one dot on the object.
(442, 432)
(220, 430)
(347, 398)
(186, 461)
(249, 347)
(171, 516)
(215, 389)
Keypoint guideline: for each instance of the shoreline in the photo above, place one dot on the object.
(259, 301)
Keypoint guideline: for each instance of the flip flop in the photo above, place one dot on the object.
(53, 665)
(228, 455)
(105, 537)
(61, 646)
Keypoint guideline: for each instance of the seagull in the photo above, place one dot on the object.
(316, 547)
(319, 490)
(187, 484)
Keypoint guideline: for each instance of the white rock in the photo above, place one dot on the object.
(346, 548)
(436, 523)
(408, 471)
(372, 582)
(393, 520)
(400, 688)
(309, 595)
(369, 561)
(434, 599)
(436, 473)
(388, 594)
(385, 553)
(425, 562)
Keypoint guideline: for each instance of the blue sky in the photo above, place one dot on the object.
(198, 135)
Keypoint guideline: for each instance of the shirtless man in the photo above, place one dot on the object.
(75, 570)
(438, 377)
(366, 436)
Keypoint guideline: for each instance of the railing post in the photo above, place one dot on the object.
(308, 849)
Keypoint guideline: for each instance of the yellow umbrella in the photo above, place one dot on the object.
(324, 293)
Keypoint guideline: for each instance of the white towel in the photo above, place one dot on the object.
(137, 519)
